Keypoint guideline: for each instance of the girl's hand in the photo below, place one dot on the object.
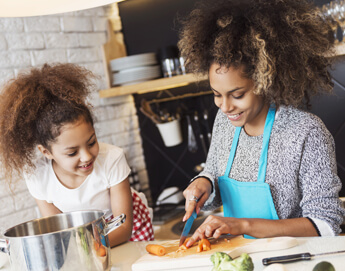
(196, 195)
(215, 226)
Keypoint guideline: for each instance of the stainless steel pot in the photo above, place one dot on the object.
(67, 241)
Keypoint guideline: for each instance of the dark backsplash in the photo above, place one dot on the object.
(174, 166)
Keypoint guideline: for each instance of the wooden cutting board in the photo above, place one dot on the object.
(234, 245)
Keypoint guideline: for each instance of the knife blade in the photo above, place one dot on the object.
(187, 227)
(296, 257)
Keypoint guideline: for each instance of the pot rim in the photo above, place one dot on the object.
(58, 231)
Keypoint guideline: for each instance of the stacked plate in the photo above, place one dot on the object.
(134, 69)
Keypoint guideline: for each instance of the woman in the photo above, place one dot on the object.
(271, 164)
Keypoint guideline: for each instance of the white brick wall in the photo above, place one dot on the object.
(25, 41)
(74, 37)
(61, 40)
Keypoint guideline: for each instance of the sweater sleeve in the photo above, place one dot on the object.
(319, 182)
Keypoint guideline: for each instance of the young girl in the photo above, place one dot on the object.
(271, 165)
(46, 109)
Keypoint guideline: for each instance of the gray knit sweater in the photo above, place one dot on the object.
(301, 165)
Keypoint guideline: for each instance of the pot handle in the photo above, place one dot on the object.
(114, 223)
(4, 246)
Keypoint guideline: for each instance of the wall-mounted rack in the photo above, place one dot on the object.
(180, 97)
(153, 85)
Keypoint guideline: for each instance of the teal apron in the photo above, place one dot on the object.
(249, 199)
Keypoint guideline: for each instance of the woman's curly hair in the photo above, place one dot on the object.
(282, 45)
(34, 107)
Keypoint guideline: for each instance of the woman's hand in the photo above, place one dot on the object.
(196, 195)
(215, 226)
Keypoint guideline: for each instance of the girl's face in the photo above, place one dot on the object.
(233, 94)
(74, 151)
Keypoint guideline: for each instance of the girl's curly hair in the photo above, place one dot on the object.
(34, 107)
(280, 43)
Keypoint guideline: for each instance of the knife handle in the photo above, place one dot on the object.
(287, 258)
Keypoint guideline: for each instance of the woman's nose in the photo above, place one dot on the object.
(225, 105)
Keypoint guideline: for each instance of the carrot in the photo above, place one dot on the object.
(155, 249)
(101, 251)
(96, 245)
(183, 246)
(203, 245)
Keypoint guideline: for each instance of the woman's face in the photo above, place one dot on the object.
(75, 150)
(233, 94)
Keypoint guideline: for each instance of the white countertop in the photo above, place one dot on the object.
(125, 255)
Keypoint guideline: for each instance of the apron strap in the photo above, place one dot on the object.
(233, 150)
(266, 139)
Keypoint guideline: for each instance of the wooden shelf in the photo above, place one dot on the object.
(340, 49)
(170, 82)
(151, 86)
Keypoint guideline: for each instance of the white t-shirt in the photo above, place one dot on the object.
(110, 168)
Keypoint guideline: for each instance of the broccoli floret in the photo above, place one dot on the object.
(218, 257)
(243, 263)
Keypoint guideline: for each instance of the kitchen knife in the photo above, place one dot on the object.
(187, 227)
(296, 257)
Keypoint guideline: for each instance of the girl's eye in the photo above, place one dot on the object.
(92, 143)
(72, 154)
(217, 95)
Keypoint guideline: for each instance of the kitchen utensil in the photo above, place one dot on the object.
(67, 241)
(192, 260)
(198, 168)
(187, 227)
(192, 145)
(151, 117)
(208, 129)
(170, 195)
(148, 112)
(165, 115)
(296, 257)
(201, 135)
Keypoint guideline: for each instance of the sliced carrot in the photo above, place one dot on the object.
(156, 249)
(203, 245)
(183, 246)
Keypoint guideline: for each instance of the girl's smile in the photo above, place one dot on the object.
(86, 167)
